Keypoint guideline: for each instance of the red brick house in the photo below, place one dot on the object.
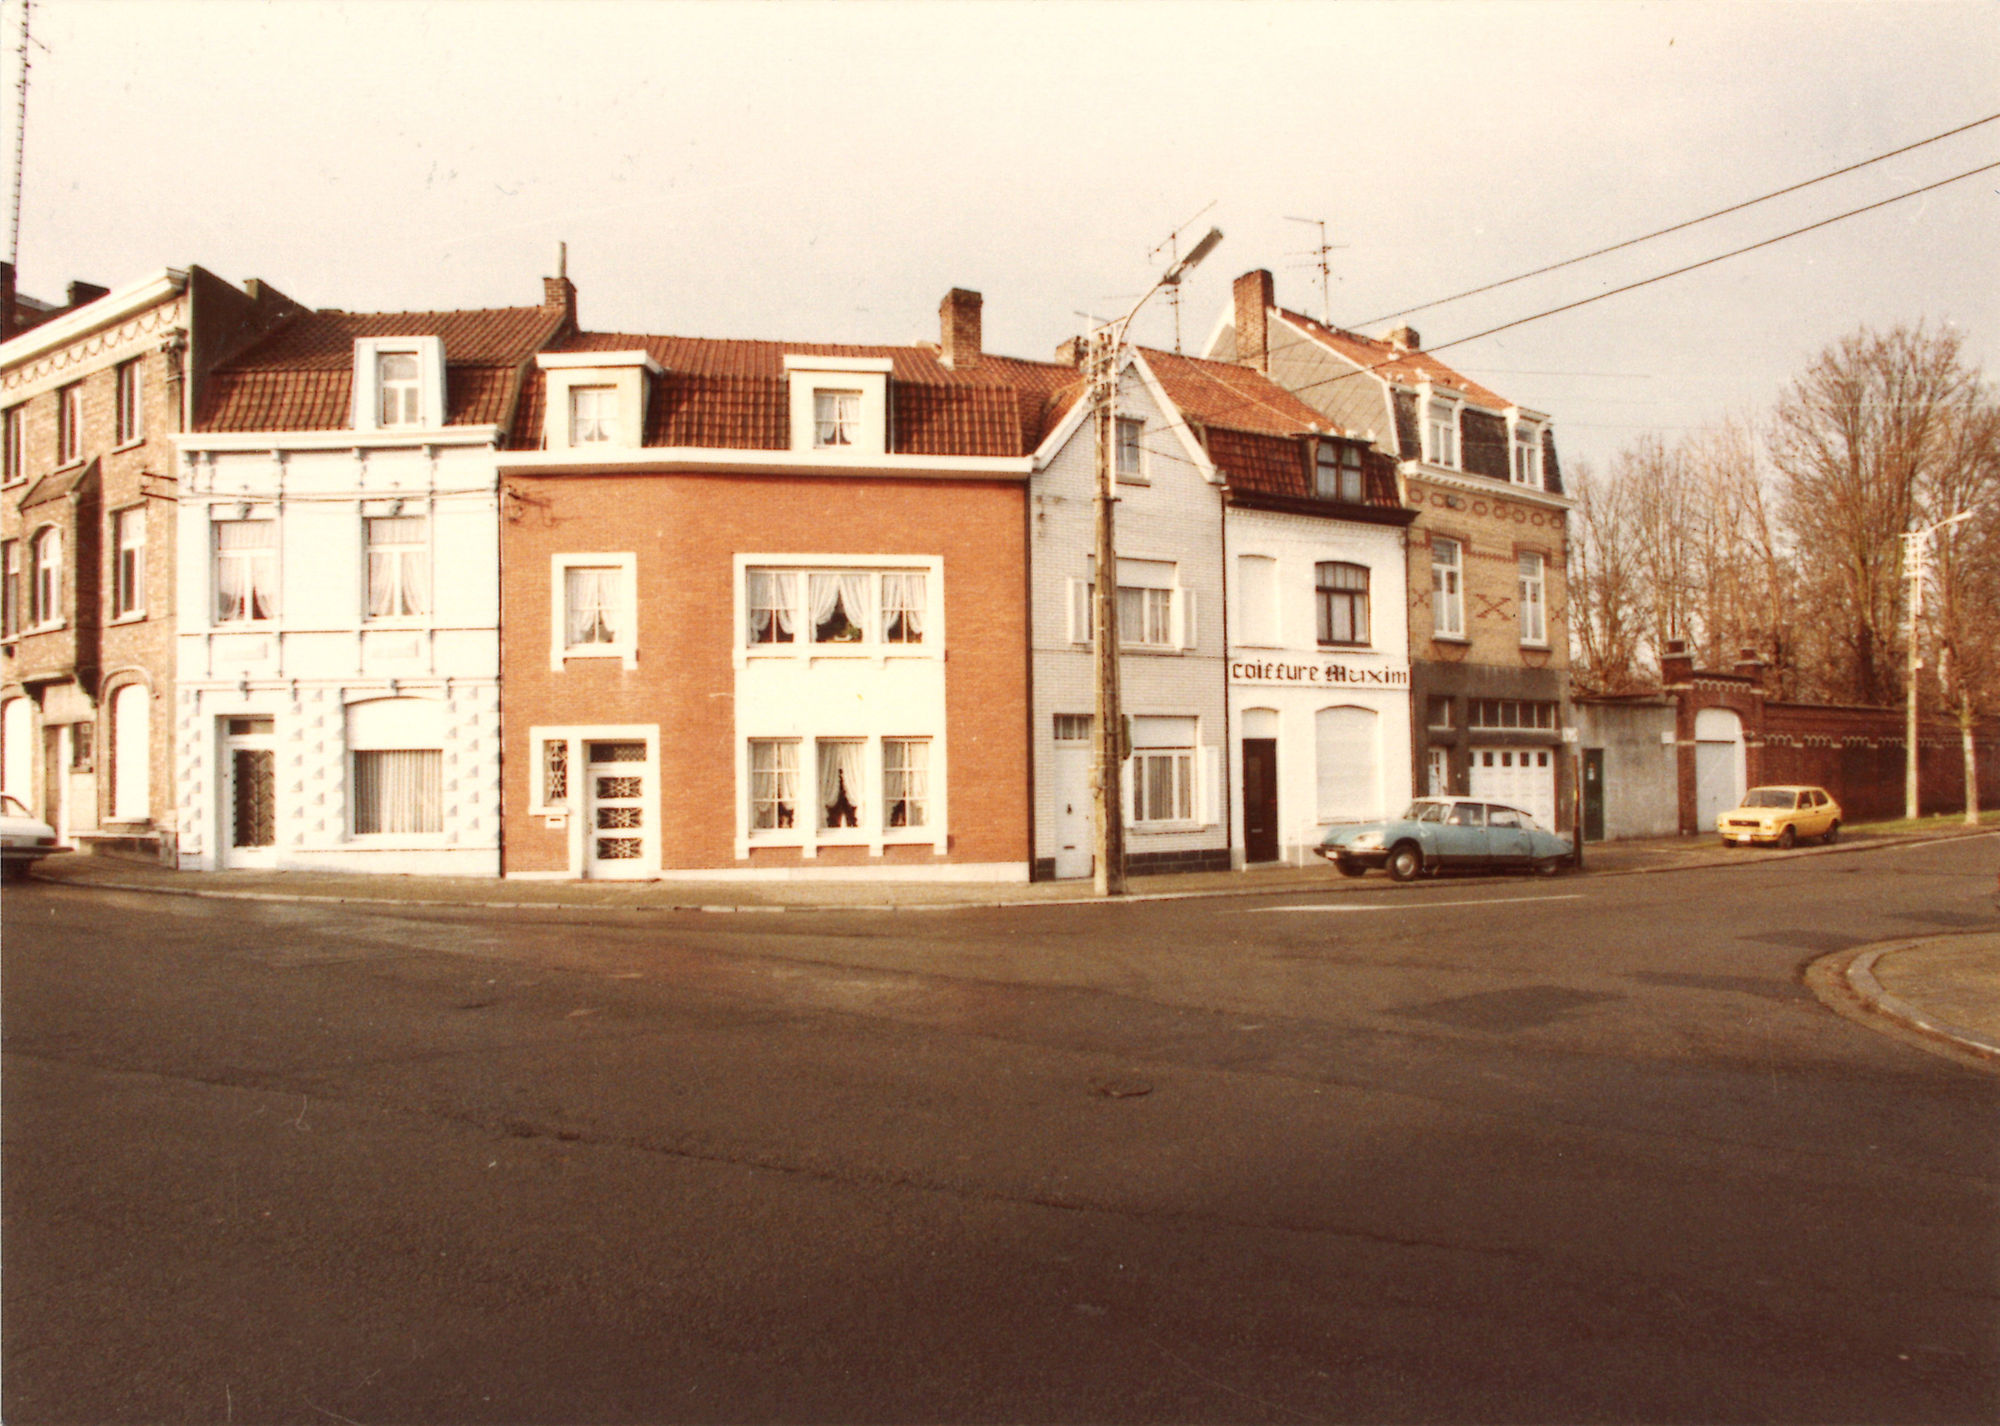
(766, 608)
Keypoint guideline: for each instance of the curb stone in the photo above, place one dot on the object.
(1860, 977)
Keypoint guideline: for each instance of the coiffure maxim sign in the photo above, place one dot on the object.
(1319, 672)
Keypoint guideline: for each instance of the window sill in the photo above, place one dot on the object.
(1534, 647)
(136, 616)
(400, 623)
(71, 464)
(1163, 828)
(1348, 648)
(1135, 480)
(55, 628)
(397, 841)
(1451, 639)
(131, 445)
(628, 657)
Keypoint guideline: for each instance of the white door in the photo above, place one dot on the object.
(248, 805)
(619, 810)
(1718, 765)
(1076, 833)
(1519, 777)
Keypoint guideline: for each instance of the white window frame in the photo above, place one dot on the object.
(1442, 437)
(776, 830)
(249, 553)
(420, 834)
(598, 424)
(398, 552)
(366, 410)
(13, 445)
(1533, 569)
(836, 418)
(1186, 790)
(13, 588)
(131, 423)
(873, 644)
(809, 376)
(69, 424)
(128, 551)
(917, 795)
(1525, 465)
(1447, 589)
(399, 399)
(1129, 439)
(624, 648)
(45, 571)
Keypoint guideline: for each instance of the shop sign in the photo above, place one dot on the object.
(1320, 673)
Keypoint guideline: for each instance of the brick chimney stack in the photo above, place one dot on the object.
(1255, 296)
(1750, 666)
(81, 293)
(958, 320)
(559, 295)
(1405, 339)
(1676, 664)
(1069, 352)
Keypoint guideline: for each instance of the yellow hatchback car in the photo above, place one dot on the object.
(1781, 815)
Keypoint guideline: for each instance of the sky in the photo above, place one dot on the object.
(820, 172)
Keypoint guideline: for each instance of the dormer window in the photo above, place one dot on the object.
(398, 387)
(593, 415)
(1441, 432)
(836, 418)
(1337, 472)
(1527, 463)
(398, 384)
(839, 405)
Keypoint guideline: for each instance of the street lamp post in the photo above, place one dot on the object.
(1916, 546)
(1107, 736)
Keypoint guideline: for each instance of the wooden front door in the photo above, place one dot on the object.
(1260, 799)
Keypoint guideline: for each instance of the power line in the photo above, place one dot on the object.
(1677, 227)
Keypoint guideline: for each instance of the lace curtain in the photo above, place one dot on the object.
(770, 607)
(840, 784)
(245, 570)
(840, 607)
(903, 608)
(398, 792)
(591, 599)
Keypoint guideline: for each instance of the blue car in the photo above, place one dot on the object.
(1437, 834)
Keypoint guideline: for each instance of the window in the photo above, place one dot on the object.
(1440, 715)
(10, 588)
(1163, 769)
(1507, 713)
(1447, 589)
(82, 747)
(1337, 475)
(846, 608)
(1527, 456)
(1534, 611)
(1153, 612)
(45, 579)
(69, 424)
(906, 794)
(555, 772)
(399, 389)
(399, 566)
(398, 791)
(13, 450)
(1073, 727)
(593, 607)
(1145, 618)
(593, 415)
(131, 404)
(774, 783)
(840, 783)
(836, 418)
(246, 571)
(1131, 456)
(1437, 775)
(1441, 432)
(128, 568)
(1341, 592)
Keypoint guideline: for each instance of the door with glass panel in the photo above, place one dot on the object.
(617, 834)
(249, 803)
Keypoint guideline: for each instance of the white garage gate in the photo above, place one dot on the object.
(1520, 777)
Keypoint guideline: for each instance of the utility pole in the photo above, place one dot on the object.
(1106, 360)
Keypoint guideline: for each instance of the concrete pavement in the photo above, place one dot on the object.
(1944, 989)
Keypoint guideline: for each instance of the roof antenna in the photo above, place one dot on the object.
(1325, 269)
(20, 141)
(1172, 246)
(562, 259)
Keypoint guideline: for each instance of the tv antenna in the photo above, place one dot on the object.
(1172, 248)
(20, 139)
(1325, 268)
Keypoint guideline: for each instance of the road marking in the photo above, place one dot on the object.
(1422, 905)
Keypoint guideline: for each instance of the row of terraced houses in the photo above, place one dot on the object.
(489, 593)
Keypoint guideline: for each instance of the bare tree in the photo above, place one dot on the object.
(1965, 610)
(1606, 605)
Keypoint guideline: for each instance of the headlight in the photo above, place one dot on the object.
(1366, 841)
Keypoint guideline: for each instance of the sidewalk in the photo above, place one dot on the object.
(1943, 989)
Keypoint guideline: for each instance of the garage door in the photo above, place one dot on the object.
(1520, 777)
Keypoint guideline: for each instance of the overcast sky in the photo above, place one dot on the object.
(826, 172)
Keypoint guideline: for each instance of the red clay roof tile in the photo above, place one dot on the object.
(1393, 363)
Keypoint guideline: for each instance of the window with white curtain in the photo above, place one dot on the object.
(246, 571)
(398, 389)
(906, 781)
(836, 418)
(774, 784)
(1527, 456)
(399, 566)
(593, 415)
(1163, 770)
(840, 606)
(771, 601)
(798, 610)
(1441, 432)
(904, 607)
(842, 798)
(594, 608)
(592, 600)
(398, 791)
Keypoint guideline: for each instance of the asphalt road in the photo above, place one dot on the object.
(1480, 1150)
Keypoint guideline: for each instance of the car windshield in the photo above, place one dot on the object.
(1424, 812)
(1770, 797)
(13, 805)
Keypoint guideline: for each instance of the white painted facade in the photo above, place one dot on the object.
(373, 731)
(1339, 714)
(1169, 538)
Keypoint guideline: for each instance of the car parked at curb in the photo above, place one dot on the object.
(1437, 834)
(24, 838)
(1781, 816)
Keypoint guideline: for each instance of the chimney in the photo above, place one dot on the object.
(1070, 352)
(83, 292)
(958, 319)
(559, 295)
(1750, 666)
(1255, 296)
(10, 314)
(1676, 664)
(1405, 339)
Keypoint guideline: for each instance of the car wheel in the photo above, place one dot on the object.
(1549, 866)
(1406, 862)
(1347, 867)
(1832, 834)
(1788, 838)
